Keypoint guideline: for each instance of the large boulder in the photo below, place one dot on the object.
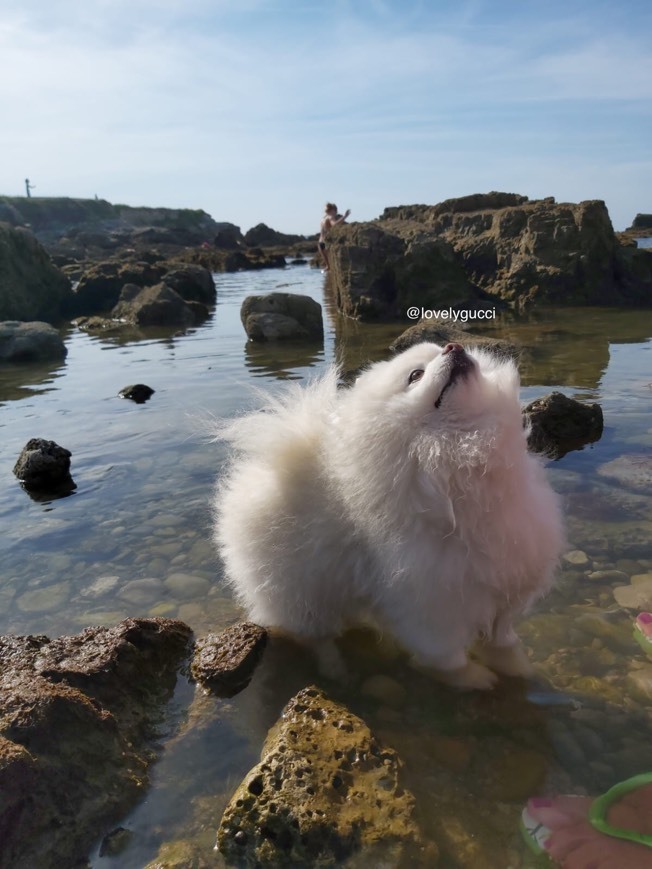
(442, 333)
(279, 316)
(194, 283)
(157, 306)
(522, 252)
(30, 342)
(44, 466)
(31, 287)
(75, 716)
(379, 273)
(325, 791)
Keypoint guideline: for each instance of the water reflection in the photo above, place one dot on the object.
(135, 540)
(21, 380)
(282, 360)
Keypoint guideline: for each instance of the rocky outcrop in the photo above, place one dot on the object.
(157, 306)
(44, 466)
(559, 424)
(642, 222)
(281, 316)
(31, 287)
(103, 285)
(496, 244)
(234, 260)
(263, 236)
(378, 273)
(225, 662)
(75, 715)
(325, 791)
(30, 342)
(100, 285)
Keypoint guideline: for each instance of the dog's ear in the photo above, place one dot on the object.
(434, 500)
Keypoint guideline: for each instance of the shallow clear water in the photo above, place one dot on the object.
(133, 539)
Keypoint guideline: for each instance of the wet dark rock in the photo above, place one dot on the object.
(138, 392)
(115, 842)
(326, 790)
(278, 316)
(442, 333)
(559, 424)
(75, 714)
(43, 465)
(192, 282)
(157, 306)
(32, 288)
(225, 662)
(30, 342)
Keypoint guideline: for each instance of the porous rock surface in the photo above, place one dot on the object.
(325, 791)
(559, 424)
(74, 716)
(43, 464)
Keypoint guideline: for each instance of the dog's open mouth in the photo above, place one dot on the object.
(460, 365)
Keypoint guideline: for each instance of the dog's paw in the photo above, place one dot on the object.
(508, 660)
(471, 677)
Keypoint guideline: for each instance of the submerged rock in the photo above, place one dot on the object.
(225, 662)
(443, 333)
(74, 716)
(30, 342)
(325, 791)
(559, 424)
(44, 466)
(279, 316)
(138, 392)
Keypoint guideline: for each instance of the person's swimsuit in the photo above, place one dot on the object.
(322, 233)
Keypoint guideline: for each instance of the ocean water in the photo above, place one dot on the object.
(134, 539)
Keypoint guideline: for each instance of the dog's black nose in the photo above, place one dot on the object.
(453, 347)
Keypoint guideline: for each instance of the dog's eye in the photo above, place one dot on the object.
(417, 374)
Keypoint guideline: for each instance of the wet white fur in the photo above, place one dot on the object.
(340, 505)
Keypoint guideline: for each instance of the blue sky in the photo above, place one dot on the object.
(261, 110)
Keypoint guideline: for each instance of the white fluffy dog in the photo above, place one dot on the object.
(409, 499)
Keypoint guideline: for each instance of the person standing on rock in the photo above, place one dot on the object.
(330, 219)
